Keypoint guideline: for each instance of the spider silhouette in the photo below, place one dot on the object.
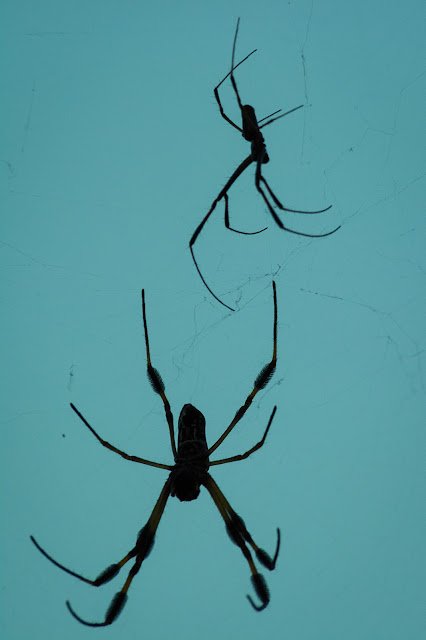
(187, 475)
(251, 131)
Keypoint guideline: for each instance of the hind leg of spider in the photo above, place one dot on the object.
(239, 535)
(259, 178)
(191, 248)
(238, 171)
(105, 576)
(141, 550)
(281, 206)
(227, 223)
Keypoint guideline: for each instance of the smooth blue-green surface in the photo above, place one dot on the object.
(112, 150)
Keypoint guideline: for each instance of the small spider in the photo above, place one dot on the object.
(251, 131)
(187, 475)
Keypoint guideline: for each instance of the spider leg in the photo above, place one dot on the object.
(231, 73)
(191, 245)
(157, 382)
(105, 576)
(280, 206)
(250, 128)
(278, 117)
(244, 113)
(261, 381)
(238, 171)
(258, 179)
(263, 557)
(247, 115)
(111, 447)
(141, 550)
(248, 453)
(216, 92)
(270, 116)
(228, 226)
(239, 535)
(234, 84)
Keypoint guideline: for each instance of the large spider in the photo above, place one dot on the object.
(250, 131)
(189, 472)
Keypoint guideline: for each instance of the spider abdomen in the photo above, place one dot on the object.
(186, 481)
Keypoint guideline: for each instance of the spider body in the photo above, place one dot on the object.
(251, 131)
(189, 472)
(192, 461)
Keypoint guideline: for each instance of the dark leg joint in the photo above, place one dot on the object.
(155, 379)
(108, 574)
(265, 375)
(116, 607)
(236, 529)
(114, 610)
(262, 592)
(145, 542)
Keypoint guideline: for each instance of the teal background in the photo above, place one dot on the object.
(112, 150)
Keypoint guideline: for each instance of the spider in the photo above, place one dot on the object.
(187, 475)
(250, 131)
